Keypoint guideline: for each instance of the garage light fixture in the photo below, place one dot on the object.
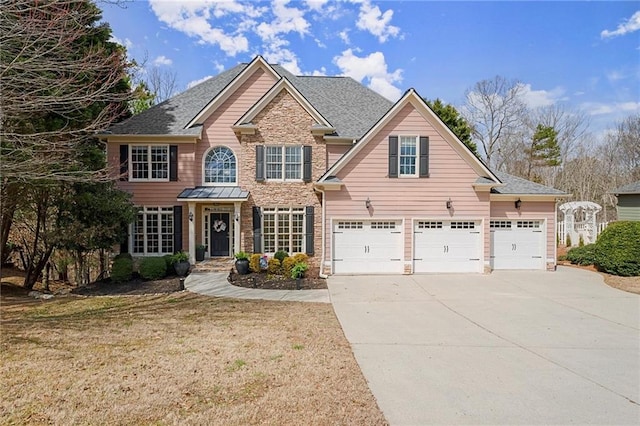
(449, 204)
(518, 203)
(367, 203)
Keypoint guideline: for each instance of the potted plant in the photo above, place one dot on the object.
(181, 263)
(242, 263)
(297, 273)
(200, 251)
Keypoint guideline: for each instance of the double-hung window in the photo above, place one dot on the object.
(283, 162)
(408, 155)
(150, 162)
(283, 229)
(152, 232)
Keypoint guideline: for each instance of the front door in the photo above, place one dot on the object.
(219, 234)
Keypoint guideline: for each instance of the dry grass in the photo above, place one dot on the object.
(178, 359)
(630, 284)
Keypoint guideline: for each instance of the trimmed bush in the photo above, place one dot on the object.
(581, 241)
(273, 267)
(254, 262)
(121, 270)
(281, 255)
(301, 258)
(584, 255)
(153, 268)
(567, 241)
(123, 256)
(168, 260)
(618, 249)
(287, 265)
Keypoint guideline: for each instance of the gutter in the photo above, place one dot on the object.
(324, 244)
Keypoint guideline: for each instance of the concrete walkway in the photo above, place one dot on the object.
(506, 348)
(216, 284)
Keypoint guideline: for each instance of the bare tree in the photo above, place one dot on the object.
(624, 142)
(493, 108)
(162, 84)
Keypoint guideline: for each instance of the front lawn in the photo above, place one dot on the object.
(177, 359)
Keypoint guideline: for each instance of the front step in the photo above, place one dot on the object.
(215, 264)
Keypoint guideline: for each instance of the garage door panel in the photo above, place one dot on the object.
(447, 246)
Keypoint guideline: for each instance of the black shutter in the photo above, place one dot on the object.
(177, 228)
(308, 211)
(306, 169)
(260, 164)
(393, 156)
(424, 156)
(124, 163)
(124, 245)
(257, 230)
(173, 163)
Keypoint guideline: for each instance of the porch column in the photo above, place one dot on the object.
(237, 217)
(192, 232)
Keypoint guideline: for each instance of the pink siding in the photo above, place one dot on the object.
(335, 152)
(529, 210)
(217, 128)
(365, 176)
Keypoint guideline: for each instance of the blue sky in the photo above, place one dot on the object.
(582, 54)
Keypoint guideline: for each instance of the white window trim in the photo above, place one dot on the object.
(149, 179)
(279, 210)
(146, 253)
(283, 157)
(417, 163)
(204, 161)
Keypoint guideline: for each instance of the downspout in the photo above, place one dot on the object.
(324, 244)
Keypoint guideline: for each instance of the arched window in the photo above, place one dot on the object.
(220, 166)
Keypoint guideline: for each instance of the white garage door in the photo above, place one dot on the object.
(517, 244)
(447, 246)
(367, 247)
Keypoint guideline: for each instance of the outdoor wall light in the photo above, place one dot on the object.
(190, 216)
(518, 203)
(237, 217)
(449, 204)
(367, 203)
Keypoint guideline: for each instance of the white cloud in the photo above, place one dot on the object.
(540, 98)
(344, 36)
(126, 43)
(377, 23)
(630, 25)
(219, 67)
(198, 81)
(372, 68)
(162, 60)
(192, 18)
(321, 72)
(276, 54)
(287, 19)
(316, 4)
(598, 108)
(615, 76)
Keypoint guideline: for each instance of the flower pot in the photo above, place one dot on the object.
(181, 268)
(242, 266)
(200, 251)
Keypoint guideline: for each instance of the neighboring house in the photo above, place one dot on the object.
(628, 201)
(259, 160)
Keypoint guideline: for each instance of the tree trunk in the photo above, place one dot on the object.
(8, 208)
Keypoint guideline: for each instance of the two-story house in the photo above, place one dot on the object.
(259, 160)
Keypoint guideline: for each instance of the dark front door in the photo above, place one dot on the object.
(219, 233)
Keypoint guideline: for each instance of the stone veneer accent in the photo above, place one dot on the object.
(282, 122)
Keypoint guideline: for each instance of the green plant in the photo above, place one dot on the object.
(274, 267)
(301, 258)
(121, 270)
(123, 256)
(581, 241)
(287, 265)
(618, 249)
(254, 262)
(567, 241)
(241, 255)
(281, 255)
(298, 270)
(583, 255)
(201, 247)
(180, 256)
(153, 268)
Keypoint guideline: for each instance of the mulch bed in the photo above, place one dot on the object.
(275, 282)
(136, 286)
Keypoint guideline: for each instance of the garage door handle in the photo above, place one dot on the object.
(396, 232)
(395, 260)
(338, 260)
(417, 259)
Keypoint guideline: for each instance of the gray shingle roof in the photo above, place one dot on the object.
(632, 188)
(214, 193)
(516, 185)
(351, 108)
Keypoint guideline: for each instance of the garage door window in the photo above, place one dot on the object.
(383, 225)
(500, 224)
(528, 224)
(349, 225)
(429, 225)
(463, 225)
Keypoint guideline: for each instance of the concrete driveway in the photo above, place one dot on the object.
(505, 348)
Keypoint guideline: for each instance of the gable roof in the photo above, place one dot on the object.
(411, 97)
(349, 107)
(632, 188)
(518, 186)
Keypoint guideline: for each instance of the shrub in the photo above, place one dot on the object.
(581, 241)
(298, 270)
(567, 241)
(153, 268)
(618, 249)
(254, 262)
(583, 255)
(273, 267)
(121, 270)
(123, 256)
(287, 265)
(179, 256)
(281, 255)
(168, 260)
